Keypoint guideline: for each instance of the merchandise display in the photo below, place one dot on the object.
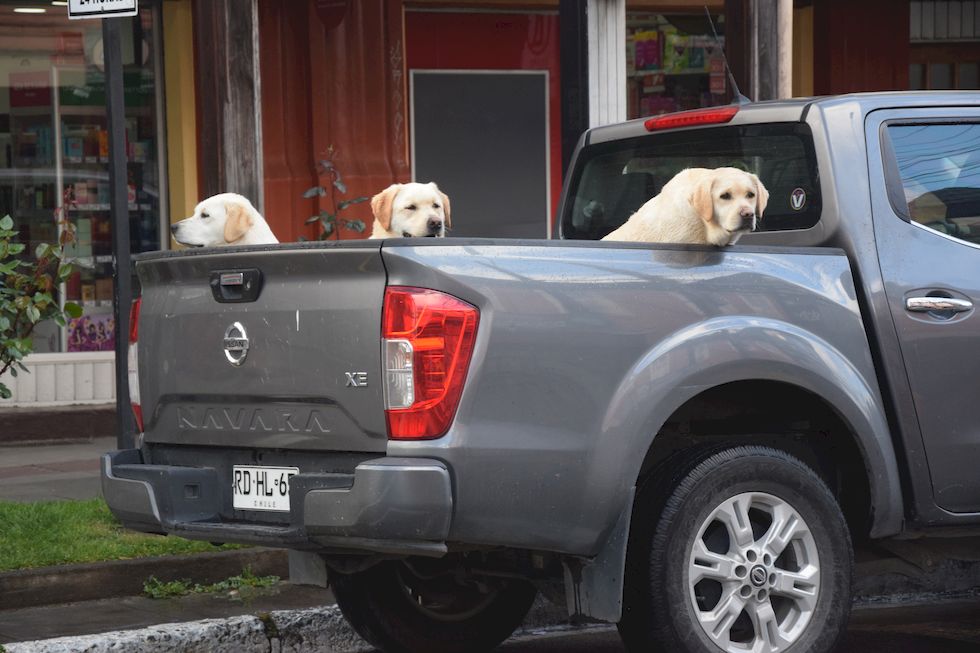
(673, 63)
(54, 155)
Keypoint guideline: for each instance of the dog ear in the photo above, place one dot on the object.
(445, 203)
(761, 194)
(237, 223)
(381, 205)
(445, 206)
(701, 197)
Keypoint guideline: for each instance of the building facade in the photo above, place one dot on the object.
(486, 98)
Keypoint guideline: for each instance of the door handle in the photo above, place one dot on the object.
(935, 304)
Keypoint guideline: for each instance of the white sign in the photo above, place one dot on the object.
(101, 8)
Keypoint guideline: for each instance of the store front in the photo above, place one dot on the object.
(484, 103)
(673, 62)
(944, 50)
(54, 155)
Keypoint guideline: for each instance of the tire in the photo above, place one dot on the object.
(398, 610)
(735, 548)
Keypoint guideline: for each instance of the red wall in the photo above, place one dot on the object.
(492, 41)
(332, 75)
(336, 75)
(860, 46)
(287, 147)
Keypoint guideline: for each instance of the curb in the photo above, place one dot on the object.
(57, 425)
(114, 578)
(283, 631)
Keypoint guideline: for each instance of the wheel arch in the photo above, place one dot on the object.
(749, 366)
(749, 361)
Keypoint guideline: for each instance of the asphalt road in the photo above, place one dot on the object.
(935, 628)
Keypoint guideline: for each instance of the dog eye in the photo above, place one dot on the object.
(205, 215)
(410, 207)
(726, 196)
(750, 195)
(435, 206)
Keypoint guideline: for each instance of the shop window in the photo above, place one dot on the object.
(940, 76)
(673, 63)
(917, 77)
(54, 151)
(944, 40)
(969, 76)
(939, 20)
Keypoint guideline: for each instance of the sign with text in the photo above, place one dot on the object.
(101, 8)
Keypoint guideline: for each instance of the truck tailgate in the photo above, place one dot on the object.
(297, 366)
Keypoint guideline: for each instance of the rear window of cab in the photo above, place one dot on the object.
(612, 180)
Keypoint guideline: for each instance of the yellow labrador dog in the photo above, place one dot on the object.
(411, 210)
(700, 206)
(225, 219)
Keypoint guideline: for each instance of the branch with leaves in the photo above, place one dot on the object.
(28, 292)
(331, 222)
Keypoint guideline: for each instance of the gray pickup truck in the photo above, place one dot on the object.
(684, 440)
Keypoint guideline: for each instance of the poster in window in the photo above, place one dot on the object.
(92, 333)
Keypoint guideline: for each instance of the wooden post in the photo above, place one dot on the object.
(758, 43)
(607, 61)
(229, 106)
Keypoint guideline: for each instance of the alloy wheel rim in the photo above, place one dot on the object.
(753, 574)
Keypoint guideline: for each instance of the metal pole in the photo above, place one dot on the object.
(119, 214)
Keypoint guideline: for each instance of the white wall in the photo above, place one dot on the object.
(63, 379)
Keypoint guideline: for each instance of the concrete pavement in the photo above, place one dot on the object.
(306, 617)
(45, 472)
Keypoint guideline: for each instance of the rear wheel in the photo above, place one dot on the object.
(406, 607)
(749, 552)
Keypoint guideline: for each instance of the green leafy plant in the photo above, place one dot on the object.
(28, 293)
(236, 586)
(331, 221)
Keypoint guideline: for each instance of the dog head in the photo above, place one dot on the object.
(412, 210)
(219, 220)
(730, 201)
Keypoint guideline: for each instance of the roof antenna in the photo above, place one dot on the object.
(738, 98)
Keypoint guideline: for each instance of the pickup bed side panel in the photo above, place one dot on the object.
(584, 351)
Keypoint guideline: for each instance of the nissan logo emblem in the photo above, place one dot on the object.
(236, 344)
(759, 576)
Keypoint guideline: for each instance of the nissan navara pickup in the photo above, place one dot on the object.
(686, 441)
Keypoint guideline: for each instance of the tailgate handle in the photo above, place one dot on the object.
(236, 286)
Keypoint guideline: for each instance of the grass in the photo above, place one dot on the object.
(66, 532)
(238, 586)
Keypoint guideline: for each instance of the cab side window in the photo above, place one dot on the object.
(939, 167)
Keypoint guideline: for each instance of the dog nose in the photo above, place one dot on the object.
(173, 229)
(435, 225)
(747, 212)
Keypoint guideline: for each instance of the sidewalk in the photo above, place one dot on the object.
(70, 470)
(132, 612)
(44, 472)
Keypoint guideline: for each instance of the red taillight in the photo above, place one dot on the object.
(710, 116)
(133, 362)
(428, 342)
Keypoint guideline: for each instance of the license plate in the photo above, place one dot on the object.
(261, 488)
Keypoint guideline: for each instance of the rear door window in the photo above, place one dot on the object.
(612, 180)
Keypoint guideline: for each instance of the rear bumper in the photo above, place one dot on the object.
(390, 505)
